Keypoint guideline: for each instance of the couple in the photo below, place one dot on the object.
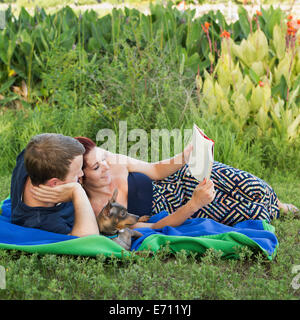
(60, 184)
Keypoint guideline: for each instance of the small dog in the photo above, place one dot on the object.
(114, 220)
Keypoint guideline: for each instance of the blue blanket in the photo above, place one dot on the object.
(189, 235)
(253, 229)
(13, 234)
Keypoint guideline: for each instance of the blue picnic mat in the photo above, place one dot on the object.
(194, 235)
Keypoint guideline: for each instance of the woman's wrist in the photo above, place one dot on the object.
(192, 207)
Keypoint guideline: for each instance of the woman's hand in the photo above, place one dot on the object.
(61, 193)
(203, 195)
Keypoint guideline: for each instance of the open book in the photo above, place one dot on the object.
(202, 157)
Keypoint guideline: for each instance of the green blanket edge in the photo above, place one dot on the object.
(94, 245)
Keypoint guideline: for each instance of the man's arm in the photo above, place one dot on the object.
(84, 218)
(85, 223)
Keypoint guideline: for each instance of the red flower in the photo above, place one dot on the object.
(205, 27)
(291, 31)
(258, 13)
(298, 21)
(290, 17)
(225, 34)
(261, 84)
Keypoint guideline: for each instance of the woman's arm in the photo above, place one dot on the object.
(177, 218)
(156, 170)
(202, 196)
(165, 168)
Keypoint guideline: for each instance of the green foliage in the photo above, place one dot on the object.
(260, 98)
(83, 73)
(26, 38)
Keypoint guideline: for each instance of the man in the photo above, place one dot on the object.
(54, 163)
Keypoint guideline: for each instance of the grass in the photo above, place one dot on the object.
(163, 276)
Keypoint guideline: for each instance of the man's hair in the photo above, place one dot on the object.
(49, 155)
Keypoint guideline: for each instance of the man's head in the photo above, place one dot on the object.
(53, 159)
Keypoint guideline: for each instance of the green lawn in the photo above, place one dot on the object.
(164, 276)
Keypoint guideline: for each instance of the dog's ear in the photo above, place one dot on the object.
(105, 212)
(114, 197)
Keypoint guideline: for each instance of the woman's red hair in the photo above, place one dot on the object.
(88, 145)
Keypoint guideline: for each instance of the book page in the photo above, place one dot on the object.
(202, 157)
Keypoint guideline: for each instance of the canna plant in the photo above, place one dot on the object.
(256, 85)
(192, 44)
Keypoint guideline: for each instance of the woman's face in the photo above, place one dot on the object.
(96, 171)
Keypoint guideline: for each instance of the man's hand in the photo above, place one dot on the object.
(203, 195)
(57, 194)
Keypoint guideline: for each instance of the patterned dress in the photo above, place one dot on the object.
(239, 195)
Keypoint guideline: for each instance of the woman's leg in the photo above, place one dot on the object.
(170, 193)
(239, 195)
(242, 196)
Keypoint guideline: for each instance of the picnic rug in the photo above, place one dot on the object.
(194, 235)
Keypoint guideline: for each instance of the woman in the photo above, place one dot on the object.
(230, 196)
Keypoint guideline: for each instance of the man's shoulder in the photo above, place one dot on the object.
(21, 155)
(18, 180)
(20, 165)
(53, 219)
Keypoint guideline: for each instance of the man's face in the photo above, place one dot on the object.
(75, 170)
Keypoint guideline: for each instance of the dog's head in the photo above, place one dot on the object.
(114, 217)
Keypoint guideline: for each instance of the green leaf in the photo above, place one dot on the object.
(222, 22)
(3, 48)
(8, 99)
(281, 88)
(93, 45)
(254, 77)
(25, 18)
(274, 19)
(6, 85)
(204, 46)
(243, 20)
(237, 33)
(296, 82)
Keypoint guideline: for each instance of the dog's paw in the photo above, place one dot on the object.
(144, 219)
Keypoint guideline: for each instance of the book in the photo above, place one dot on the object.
(202, 156)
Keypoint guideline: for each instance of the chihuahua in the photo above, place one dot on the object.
(114, 220)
